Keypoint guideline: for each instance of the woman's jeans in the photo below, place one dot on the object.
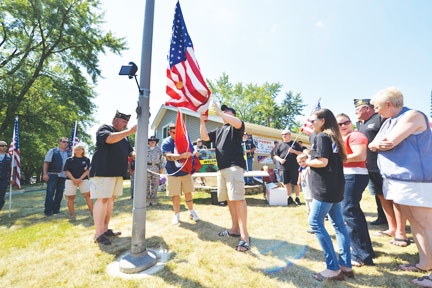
(355, 220)
(316, 221)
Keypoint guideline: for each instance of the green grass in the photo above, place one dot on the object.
(39, 251)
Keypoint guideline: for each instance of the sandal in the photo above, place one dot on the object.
(412, 268)
(103, 240)
(226, 233)
(419, 281)
(400, 242)
(243, 244)
(111, 233)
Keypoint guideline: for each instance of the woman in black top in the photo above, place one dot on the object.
(77, 168)
(327, 188)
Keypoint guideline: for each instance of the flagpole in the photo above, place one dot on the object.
(140, 258)
(12, 168)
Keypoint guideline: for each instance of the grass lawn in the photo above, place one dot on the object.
(39, 251)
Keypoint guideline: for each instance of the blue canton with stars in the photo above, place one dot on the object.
(180, 39)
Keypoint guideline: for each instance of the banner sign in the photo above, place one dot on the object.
(263, 145)
(207, 158)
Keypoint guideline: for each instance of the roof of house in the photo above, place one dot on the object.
(251, 128)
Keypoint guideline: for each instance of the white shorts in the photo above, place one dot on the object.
(106, 187)
(71, 188)
(408, 193)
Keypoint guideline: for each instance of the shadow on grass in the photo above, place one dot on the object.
(120, 245)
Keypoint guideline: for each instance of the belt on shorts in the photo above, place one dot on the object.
(152, 164)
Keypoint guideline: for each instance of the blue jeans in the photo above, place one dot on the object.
(316, 221)
(54, 194)
(249, 180)
(4, 183)
(355, 220)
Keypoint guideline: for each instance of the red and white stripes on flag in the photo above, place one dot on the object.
(307, 126)
(73, 141)
(14, 151)
(185, 84)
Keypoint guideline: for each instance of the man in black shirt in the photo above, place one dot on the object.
(286, 154)
(369, 124)
(231, 164)
(109, 166)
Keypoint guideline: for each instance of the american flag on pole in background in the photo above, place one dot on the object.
(14, 151)
(73, 141)
(186, 85)
(307, 126)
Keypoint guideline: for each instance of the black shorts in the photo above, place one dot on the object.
(289, 176)
(375, 183)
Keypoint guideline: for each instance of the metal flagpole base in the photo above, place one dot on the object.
(134, 264)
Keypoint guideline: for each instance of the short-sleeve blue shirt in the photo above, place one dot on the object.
(168, 146)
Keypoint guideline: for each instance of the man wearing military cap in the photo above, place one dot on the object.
(369, 124)
(155, 164)
(109, 166)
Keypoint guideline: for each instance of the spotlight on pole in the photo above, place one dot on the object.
(130, 70)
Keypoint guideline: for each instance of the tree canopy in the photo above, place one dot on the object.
(48, 64)
(258, 104)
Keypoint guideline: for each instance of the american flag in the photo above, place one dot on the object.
(307, 126)
(185, 84)
(14, 151)
(73, 141)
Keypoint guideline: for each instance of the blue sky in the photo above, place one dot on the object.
(337, 50)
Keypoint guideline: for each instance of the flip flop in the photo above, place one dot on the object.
(243, 244)
(412, 268)
(226, 233)
(419, 281)
(382, 234)
(400, 240)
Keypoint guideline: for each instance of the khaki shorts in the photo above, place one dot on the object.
(106, 187)
(71, 188)
(175, 185)
(231, 185)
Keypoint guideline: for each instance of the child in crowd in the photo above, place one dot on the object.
(304, 179)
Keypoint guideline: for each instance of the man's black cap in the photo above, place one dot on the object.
(361, 102)
(226, 108)
(122, 116)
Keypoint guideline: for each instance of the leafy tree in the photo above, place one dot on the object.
(46, 47)
(257, 104)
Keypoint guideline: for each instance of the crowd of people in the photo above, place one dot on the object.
(390, 152)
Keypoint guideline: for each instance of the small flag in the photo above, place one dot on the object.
(73, 141)
(183, 144)
(307, 126)
(14, 151)
(185, 85)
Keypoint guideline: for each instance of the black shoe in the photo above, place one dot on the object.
(379, 221)
(297, 201)
(290, 200)
(102, 239)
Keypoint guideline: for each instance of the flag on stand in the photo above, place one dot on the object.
(73, 141)
(307, 126)
(183, 144)
(185, 85)
(14, 151)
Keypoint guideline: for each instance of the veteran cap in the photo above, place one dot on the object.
(361, 102)
(122, 116)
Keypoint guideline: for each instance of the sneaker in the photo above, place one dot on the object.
(153, 203)
(297, 201)
(290, 200)
(72, 217)
(175, 219)
(193, 215)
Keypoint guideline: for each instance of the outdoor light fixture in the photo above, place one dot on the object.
(130, 70)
